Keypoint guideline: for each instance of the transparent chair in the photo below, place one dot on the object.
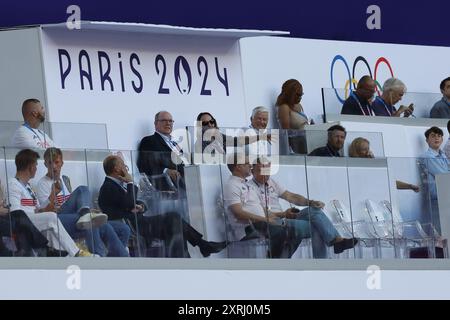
(360, 229)
(252, 246)
(408, 235)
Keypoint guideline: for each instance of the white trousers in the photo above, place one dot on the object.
(57, 236)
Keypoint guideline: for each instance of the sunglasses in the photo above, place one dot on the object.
(211, 122)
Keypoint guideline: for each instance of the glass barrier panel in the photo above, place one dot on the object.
(78, 135)
(365, 144)
(416, 104)
(327, 182)
(369, 187)
(9, 242)
(63, 135)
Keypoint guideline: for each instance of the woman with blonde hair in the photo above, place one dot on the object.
(360, 148)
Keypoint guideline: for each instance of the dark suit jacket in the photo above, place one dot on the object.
(155, 155)
(115, 201)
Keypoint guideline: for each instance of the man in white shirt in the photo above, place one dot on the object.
(309, 222)
(73, 208)
(256, 203)
(22, 197)
(28, 135)
(245, 213)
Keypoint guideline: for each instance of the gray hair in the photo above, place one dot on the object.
(394, 84)
(259, 109)
(157, 114)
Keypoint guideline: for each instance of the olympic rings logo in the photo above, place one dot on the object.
(351, 77)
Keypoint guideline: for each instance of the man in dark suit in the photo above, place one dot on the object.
(159, 153)
(118, 199)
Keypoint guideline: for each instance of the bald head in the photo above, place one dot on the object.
(366, 87)
(33, 112)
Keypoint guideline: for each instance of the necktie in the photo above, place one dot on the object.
(176, 146)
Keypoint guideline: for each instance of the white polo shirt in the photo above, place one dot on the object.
(27, 137)
(268, 194)
(22, 197)
(237, 191)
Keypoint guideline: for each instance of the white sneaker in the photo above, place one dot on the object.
(91, 220)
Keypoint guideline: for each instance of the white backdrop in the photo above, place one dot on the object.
(269, 61)
(129, 114)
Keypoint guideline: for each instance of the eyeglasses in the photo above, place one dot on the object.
(170, 121)
(211, 122)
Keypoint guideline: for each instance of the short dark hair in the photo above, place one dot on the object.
(109, 163)
(448, 126)
(336, 127)
(435, 130)
(442, 85)
(27, 102)
(25, 158)
(234, 159)
(232, 162)
(52, 153)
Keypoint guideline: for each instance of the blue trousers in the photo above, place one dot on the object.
(108, 239)
(313, 223)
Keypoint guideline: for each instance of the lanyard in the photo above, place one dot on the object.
(28, 188)
(264, 194)
(385, 106)
(360, 106)
(26, 125)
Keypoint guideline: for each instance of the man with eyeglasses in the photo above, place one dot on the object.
(359, 102)
(160, 153)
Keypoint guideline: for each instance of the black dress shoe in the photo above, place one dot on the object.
(345, 244)
(208, 247)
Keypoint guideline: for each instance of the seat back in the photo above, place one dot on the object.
(359, 229)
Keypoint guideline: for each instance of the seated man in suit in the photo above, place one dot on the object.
(159, 153)
(118, 199)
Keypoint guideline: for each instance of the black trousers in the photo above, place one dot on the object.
(171, 228)
(26, 234)
(281, 238)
